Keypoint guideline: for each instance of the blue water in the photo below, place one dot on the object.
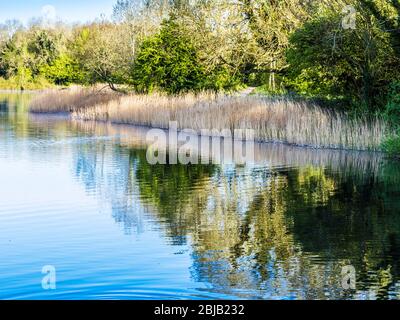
(81, 197)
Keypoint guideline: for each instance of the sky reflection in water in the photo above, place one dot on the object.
(82, 197)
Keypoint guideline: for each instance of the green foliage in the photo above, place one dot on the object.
(329, 61)
(24, 55)
(14, 56)
(104, 53)
(43, 50)
(392, 145)
(63, 71)
(392, 111)
(206, 45)
(168, 61)
(25, 83)
(221, 79)
(266, 90)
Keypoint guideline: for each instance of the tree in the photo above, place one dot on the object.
(43, 48)
(168, 61)
(225, 46)
(271, 23)
(26, 52)
(64, 71)
(140, 19)
(104, 52)
(15, 59)
(8, 29)
(328, 60)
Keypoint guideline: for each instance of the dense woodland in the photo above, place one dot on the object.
(342, 51)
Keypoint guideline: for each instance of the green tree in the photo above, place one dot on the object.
(63, 71)
(15, 60)
(271, 24)
(104, 53)
(393, 105)
(43, 48)
(168, 61)
(330, 61)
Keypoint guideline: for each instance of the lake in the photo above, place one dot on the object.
(81, 198)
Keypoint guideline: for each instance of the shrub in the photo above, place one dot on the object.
(329, 61)
(63, 71)
(16, 83)
(392, 111)
(391, 145)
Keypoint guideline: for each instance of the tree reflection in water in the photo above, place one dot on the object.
(280, 228)
(283, 228)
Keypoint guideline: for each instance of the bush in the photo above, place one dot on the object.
(391, 145)
(392, 111)
(221, 79)
(15, 83)
(63, 71)
(331, 62)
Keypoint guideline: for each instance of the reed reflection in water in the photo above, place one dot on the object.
(281, 227)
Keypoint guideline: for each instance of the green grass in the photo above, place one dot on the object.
(266, 91)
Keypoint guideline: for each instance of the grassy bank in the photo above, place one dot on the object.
(16, 83)
(278, 120)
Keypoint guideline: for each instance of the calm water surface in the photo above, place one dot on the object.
(81, 197)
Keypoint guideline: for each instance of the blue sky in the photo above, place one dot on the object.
(68, 10)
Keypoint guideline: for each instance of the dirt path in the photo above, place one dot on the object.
(246, 92)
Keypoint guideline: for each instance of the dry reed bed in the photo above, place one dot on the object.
(278, 120)
(357, 164)
(70, 100)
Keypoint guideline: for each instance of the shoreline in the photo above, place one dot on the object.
(19, 91)
(275, 120)
(68, 116)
